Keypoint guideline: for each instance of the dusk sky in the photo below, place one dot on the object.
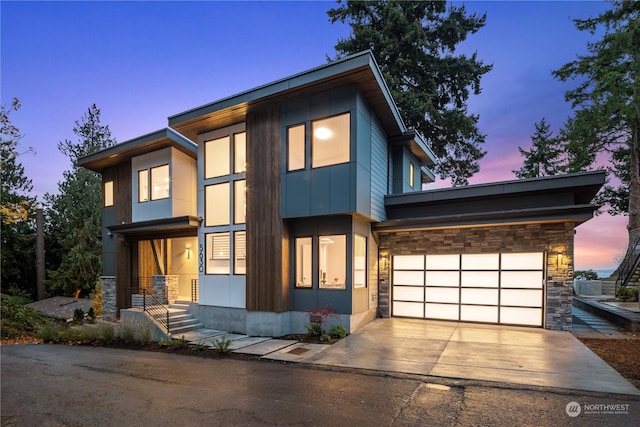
(141, 62)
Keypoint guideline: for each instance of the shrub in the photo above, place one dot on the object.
(78, 315)
(222, 345)
(338, 331)
(314, 329)
(325, 338)
(627, 294)
(585, 275)
(50, 332)
(91, 315)
(127, 332)
(19, 320)
(107, 333)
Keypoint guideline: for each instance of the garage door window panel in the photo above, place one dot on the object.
(479, 296)
(522, 261)
(521, 316)
(442, 311)
(415, 278)
(443, 278)
(408, 309)
(521, 279)
(409, 293)
(480, 279)
(479, 313)
(408, 262)
(443, 295)
(480, 261)
(443, 262)
(521, 297)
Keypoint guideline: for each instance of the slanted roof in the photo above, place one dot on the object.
(360, 69)
(154, 141)
(547, 199)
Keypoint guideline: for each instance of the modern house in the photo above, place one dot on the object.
(307, 193)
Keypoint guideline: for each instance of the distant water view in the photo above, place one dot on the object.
(603, 274)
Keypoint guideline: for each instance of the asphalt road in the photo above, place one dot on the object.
(55, 385)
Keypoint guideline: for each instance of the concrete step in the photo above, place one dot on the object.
(177, 330)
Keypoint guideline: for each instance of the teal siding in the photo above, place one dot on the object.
(380, 171)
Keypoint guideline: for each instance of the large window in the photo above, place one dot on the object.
(359, 261)
(330, 140)
(216, 157)
(332, 261)
(218, 253)
(160, 182)
(304, 261)
(225, 199)
(296, 148)
(108, 193)
(216, 204)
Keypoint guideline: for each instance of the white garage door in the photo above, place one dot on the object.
(494, 288)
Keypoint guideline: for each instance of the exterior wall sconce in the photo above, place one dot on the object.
(383, 261)
(559, 260)
(188, 250)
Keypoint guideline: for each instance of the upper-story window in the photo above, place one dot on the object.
(296, 150)
(240, 152)
(159, 183)
(108, 193)
(330, 143)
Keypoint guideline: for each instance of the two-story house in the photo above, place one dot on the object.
(307, 193)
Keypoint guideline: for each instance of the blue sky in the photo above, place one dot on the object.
(141, 62)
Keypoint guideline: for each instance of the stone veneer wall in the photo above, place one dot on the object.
(164, 288)
(550, 238)
(109, 304)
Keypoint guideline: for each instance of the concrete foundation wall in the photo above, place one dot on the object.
(139, 319)
(587, 287)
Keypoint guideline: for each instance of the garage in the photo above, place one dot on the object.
(501, 288)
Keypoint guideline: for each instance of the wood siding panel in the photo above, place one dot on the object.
(267, 273)
(122, 205)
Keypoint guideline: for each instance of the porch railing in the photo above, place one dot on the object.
(133, 294)
(156, 309)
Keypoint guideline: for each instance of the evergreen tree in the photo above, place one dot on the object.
(544, 157)
(75, 214)
(414, 43)
(17, 257)
(606, 104)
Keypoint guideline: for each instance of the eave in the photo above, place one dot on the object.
(360, 69)
(124, 151)
(182, 226)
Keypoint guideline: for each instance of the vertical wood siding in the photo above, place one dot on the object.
(267, 277)
(122, 204)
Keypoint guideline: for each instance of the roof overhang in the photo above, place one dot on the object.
(124, 151)
(360, 69)
(183, 226)
(562, 198)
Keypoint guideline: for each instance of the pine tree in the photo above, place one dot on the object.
(75, 214)
(414, 43)
(544, 157)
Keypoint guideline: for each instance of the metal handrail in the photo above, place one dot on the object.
(630, 265)
(156, 310)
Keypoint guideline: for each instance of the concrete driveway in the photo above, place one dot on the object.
(518, 355)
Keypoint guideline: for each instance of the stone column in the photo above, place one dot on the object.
(109, 305)
(164, 288)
